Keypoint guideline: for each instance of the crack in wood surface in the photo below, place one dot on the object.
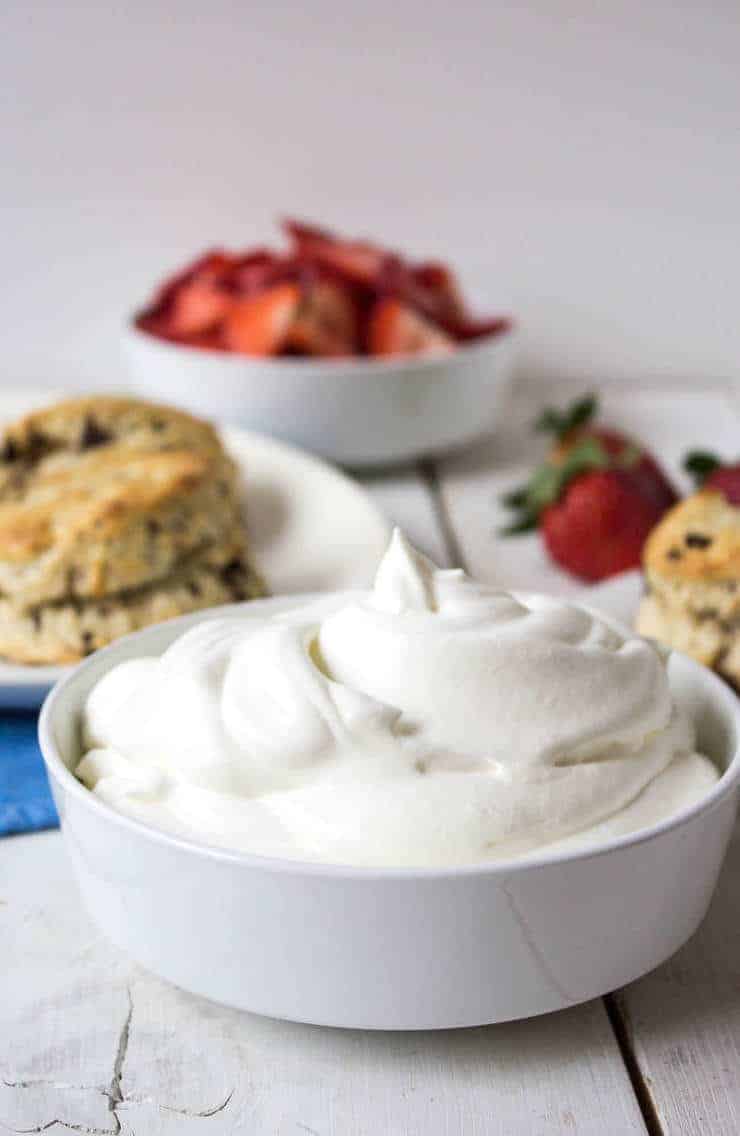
(62, 1086)
(87, 1129)
(113, 1093)
(619, 1021)
(115, 1096)
(202, 1114)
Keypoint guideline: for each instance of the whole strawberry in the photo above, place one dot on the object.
(595, 503)
(711, 473)
(575, 424)
(598, 526)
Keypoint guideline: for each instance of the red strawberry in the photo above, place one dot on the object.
(574, 425)
(259, 325)
(727, 481)
(359, 261)
(197, 307)
(254, 271)
(593, 508)
(326, 322)
(211, 269)
(395, 329)
(711, 473)
(438, 292)
(480, 328)
(599, 525)
(356, 297)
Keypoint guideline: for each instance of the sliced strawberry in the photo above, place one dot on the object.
(301, 232)
(358, 261)
(253, 272)
(326, 322)
(203, 302)
(439, 292)
(210, 266)
(211, 339)
(259, 325)
(470, 329)
(600, 524)
(197, 307)
(395, 329)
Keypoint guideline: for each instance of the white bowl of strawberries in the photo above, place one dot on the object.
(339, 346)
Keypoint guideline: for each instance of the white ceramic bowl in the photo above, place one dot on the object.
(355, 411)
(393, 948)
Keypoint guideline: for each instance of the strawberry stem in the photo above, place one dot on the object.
(548, 482)
(700, 463)
(561, 422)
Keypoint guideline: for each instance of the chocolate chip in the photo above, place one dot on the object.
(87, 642)
(93, 434)
(38, 445)
(232, 572)
(158, 425)
(194, 589)
(153, 527)
(36, 618)
(697, 540)
(9, 452)
(674, 554)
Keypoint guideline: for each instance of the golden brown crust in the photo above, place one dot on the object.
(97, 495)
(86, 422)
(712, 641)
(692, 569)
(114, 514)
(698, 540)
(66, 631)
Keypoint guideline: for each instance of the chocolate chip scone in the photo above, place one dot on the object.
(692, 572)
(97, 495)
(66, 630)
(109, 499)
(78, 425)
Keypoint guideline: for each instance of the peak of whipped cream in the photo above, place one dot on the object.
(432, 720)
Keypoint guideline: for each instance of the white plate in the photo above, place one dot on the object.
(310, 528)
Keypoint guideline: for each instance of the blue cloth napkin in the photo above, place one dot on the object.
(26, 804)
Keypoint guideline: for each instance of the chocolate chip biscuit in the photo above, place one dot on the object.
(692, 573)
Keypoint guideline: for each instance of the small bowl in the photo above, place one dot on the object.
(393, 948)
(358, 412)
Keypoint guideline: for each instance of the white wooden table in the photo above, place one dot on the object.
(91, 1043)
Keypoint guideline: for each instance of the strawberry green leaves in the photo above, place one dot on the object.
(548, 483)
(561, 422)
(700, 464)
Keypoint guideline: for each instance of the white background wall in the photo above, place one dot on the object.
(581, 161)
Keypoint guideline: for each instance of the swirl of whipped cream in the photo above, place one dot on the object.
(432, 720)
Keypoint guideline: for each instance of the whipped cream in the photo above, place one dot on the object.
(430, 721)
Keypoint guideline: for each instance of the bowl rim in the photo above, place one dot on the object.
(502, 869)
(339, 366)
